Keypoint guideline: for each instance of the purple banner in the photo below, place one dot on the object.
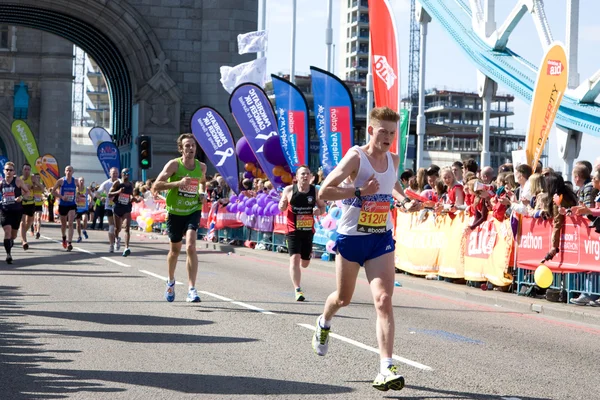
(214, 137)
(264, 224)
(109, 157)
(254, 115)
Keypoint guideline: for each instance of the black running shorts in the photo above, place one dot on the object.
(300, 243)
(178, 225)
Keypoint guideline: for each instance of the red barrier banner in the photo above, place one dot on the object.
(204, 215)
(280, 224)
(579, 245)
(226, 219)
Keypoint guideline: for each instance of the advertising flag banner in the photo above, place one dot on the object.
(292, 116)
(254, 115)
(403, 137)
(109, 157)
(549, 90)
(254, 71)
(214, 137)
(385, 57)
(334, 117)
(252, 42)
(3, 160)
(98, 135)
(49, 171)
(26, 141)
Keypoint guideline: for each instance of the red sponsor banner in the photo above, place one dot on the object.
(280, 224)
(385, 57)
(579, 245)
(204, 215)
(226, 219)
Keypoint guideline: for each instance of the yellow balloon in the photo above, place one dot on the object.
(543, 276)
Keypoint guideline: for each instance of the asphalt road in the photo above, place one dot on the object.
(94, 325)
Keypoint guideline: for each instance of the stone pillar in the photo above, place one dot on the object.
(56, 81)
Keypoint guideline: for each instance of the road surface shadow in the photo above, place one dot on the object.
(117, 319)
(451, 394)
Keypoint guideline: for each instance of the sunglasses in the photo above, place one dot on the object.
(8, 169)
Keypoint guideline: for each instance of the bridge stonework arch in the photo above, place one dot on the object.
(161, 57)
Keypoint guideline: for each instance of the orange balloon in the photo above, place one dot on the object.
(286, 179)
(278, 171)
(249, 167)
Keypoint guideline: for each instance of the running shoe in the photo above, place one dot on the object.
(320, 340)
(111, 249)
(79, 239)
(193, 296)
(25, 246)
(64, 243)
(126, 252)
(300, 295)
(69, 247)
(37, 235)
(118, 244)
(170, 292)
(85, 235)
(8, 259)
(390, 380)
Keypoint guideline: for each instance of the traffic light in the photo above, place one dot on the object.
(145, 151)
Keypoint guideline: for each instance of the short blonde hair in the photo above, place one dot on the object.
(384, 114)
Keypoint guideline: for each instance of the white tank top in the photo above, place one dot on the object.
(369, 214)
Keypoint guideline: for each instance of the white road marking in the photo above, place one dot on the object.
(115, 262)
(75, 248)
(84, 251)
(374, 350)
(239, 303)
(510, 398)
(164, 278)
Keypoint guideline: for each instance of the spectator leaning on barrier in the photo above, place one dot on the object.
(582, 179)
(433, 174)
(487, 175)
(456, 193)
(522, 174)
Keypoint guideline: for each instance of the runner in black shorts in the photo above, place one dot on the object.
(12, 188)
(124, 195)
(38, 199)
(301, 202)
(27, 204)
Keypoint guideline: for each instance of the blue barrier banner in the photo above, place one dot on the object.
(3, 160)
(109, 157)
(255, 117)
(214, 137)
(334, 117)
(292, 115)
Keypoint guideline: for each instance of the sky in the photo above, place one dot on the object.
(447, 65)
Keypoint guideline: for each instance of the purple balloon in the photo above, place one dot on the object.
(244, 152)
(248, 175)
(241, 197)
(273, 193)
(250, 202)
(273, 152)
(248, 211)
(261, 200)
(233, 207)
(260, 211)
(273, 209)
(228, 207)
(255, 209)
(233, 199)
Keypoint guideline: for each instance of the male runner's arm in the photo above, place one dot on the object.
(330, 189)
(202, 184)
(169, 170)
(285, 198)
(113, 190)
(320, 206)
(55, 192)
(24, 189)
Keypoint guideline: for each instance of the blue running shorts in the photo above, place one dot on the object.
(361, 248)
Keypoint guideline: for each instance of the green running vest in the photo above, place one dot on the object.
(184, 200)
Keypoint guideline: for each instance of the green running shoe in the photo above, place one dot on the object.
(390, 380)
(320, 340)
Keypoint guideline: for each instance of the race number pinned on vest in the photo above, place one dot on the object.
(80, 201)
(373, 217)
(190, 190)
(8, 195)
(304, 222)
(69, 197)
(124, 198)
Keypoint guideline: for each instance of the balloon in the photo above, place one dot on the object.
(328, 223)
(262, 200)
(244, 152)
(329, 246)
(260, 211)
(141, 222)
(279, 171)
(148, 228)
(335, 213)
(543, 276)
(250, 202)
(332, 235)
(228, 207)
(273, 152)
(241, 197)
(234, 207)
(249, 167)
(273, 209)
(255, 209)
(233, 199)
(277, 180)
(286, 179)
(248, 175)
(338, 203)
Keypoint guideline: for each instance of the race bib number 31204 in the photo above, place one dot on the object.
(373, 217)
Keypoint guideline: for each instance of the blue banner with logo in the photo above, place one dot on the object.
(292, 117)
(214, 137)
(109, 157)
(255, 117)
(3, 160)
(334, 117)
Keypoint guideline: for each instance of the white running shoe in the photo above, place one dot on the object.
(192, 296)
(320, 340)
(391, 379)
(111, 249)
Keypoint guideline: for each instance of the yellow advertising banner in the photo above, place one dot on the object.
(549, 90)
(48, 168)
(26, 141)
(439, 245)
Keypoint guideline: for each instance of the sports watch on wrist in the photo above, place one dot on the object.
(357, 192)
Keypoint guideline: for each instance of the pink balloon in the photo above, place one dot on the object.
(329, 246)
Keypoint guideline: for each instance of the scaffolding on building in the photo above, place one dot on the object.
(78, 86)
(414, 59)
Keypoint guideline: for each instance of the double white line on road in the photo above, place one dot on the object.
(263, 311)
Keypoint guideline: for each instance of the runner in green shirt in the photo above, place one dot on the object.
(182, 178)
